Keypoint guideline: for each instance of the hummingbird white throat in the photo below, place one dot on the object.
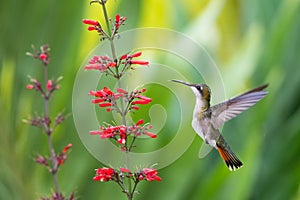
(207, 119)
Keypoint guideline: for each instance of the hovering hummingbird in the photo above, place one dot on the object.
(207, 120)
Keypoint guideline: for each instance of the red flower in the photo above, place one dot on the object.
(140, 102)
(105, 104)
(139, 62)
(123, 57)
(150, 174)
(92, 28)
(141, 121)
(117, 19)
(104, 174)
(66, 148)
(152, 135)
(136, 54)
(90, 22)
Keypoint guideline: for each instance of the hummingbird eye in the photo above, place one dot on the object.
(199, 88)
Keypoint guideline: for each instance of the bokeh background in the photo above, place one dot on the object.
(251, 41)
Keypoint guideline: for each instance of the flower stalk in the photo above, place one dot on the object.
(54, 160)
(121, 102)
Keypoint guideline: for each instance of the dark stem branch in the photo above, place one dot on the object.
(49, 132)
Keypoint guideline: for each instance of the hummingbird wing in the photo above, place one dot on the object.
(227, 110)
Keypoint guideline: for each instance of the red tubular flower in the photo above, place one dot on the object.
(139, 62)
(117, 19)
(66, 148)
(92, 28)
(151, 174)
(107, 91)
(152, 135)
(143, 102)
(102, 105)
(141, 121)
(136, 54)
(104, 174)
(95, 101)
(90, 22)
(123, 57)
(144, 98)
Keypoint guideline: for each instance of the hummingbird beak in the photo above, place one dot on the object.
(182, 82)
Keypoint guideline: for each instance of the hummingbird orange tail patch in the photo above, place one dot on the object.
(230, 158)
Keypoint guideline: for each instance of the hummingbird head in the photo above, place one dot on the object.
(201, 91)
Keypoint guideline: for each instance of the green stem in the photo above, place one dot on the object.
(48, 132)
(111, 36)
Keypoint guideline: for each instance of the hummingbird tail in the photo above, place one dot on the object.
(227, 155)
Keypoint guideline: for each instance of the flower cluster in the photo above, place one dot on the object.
(109, 174)
(101, 63)
(42, 54)
(105, 64)
(60, 158)
(96, 26)
(51, 86)
(107, 98)
(120, 133)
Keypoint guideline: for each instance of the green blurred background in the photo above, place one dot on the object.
(251, 41)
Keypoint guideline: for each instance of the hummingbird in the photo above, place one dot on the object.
(207, 120)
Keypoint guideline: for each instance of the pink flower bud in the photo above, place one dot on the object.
(49, 84)
(29, 87)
